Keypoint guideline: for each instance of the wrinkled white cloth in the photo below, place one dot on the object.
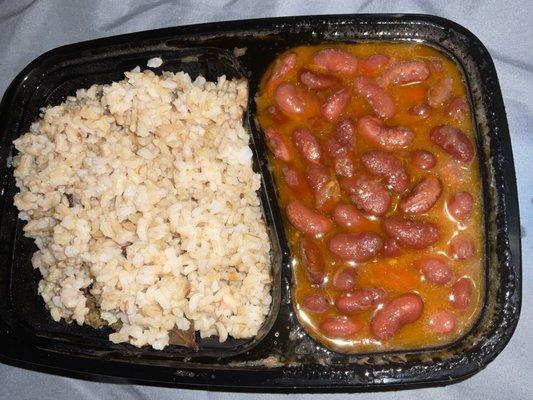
(29, 28)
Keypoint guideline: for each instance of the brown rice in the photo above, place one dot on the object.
(141, 194)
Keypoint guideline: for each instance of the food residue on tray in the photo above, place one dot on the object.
(142, 200)
(373, 153)
(155, 62)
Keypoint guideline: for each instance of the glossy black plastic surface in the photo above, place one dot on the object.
(282, 357)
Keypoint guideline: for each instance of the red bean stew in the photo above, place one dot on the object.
(373, 154)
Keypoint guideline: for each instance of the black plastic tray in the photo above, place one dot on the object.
(282, 357)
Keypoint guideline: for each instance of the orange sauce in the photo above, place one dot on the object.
(400, 274)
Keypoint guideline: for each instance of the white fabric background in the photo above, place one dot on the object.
(29, 28)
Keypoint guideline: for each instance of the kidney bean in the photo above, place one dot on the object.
(454, 142)
(457, 109)
(316, 80)
(348, 217)
(420, 110)
(289, 99)
(391, 248)
(423, 159)
(277, 145)
(307, 220)
(373, 63)
(461, 293)
(283, 67)
(326, 187)
(387, 137)
(461, 247)
(344, 132)
(275, 114)
(379, 100)
(442, 322)
(360, 300)
(317, 176)
(344, 166)
(367, 193)
(383, 164)
(336, 61)
(290, 175)
(307, 144)
(295, 101)
(424, 196)
(334, 148)
(335, 104)
(454, 172)
(341, 155)
(460, 206)
(409, 233)
(312, 261)
(440, 92)
(340, 326)
(328, 195)
(345, 279)
(435, 64)
(358, 247)
(404, 309)
(316, 303)
(435, 269)
(403, 72)
(293, 177)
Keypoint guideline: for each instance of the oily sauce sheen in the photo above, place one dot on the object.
(373, 154)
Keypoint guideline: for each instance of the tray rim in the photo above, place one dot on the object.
(266, 382)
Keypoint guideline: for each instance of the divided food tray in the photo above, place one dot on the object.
(282, 356)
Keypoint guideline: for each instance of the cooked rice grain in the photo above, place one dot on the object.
(142, 193)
